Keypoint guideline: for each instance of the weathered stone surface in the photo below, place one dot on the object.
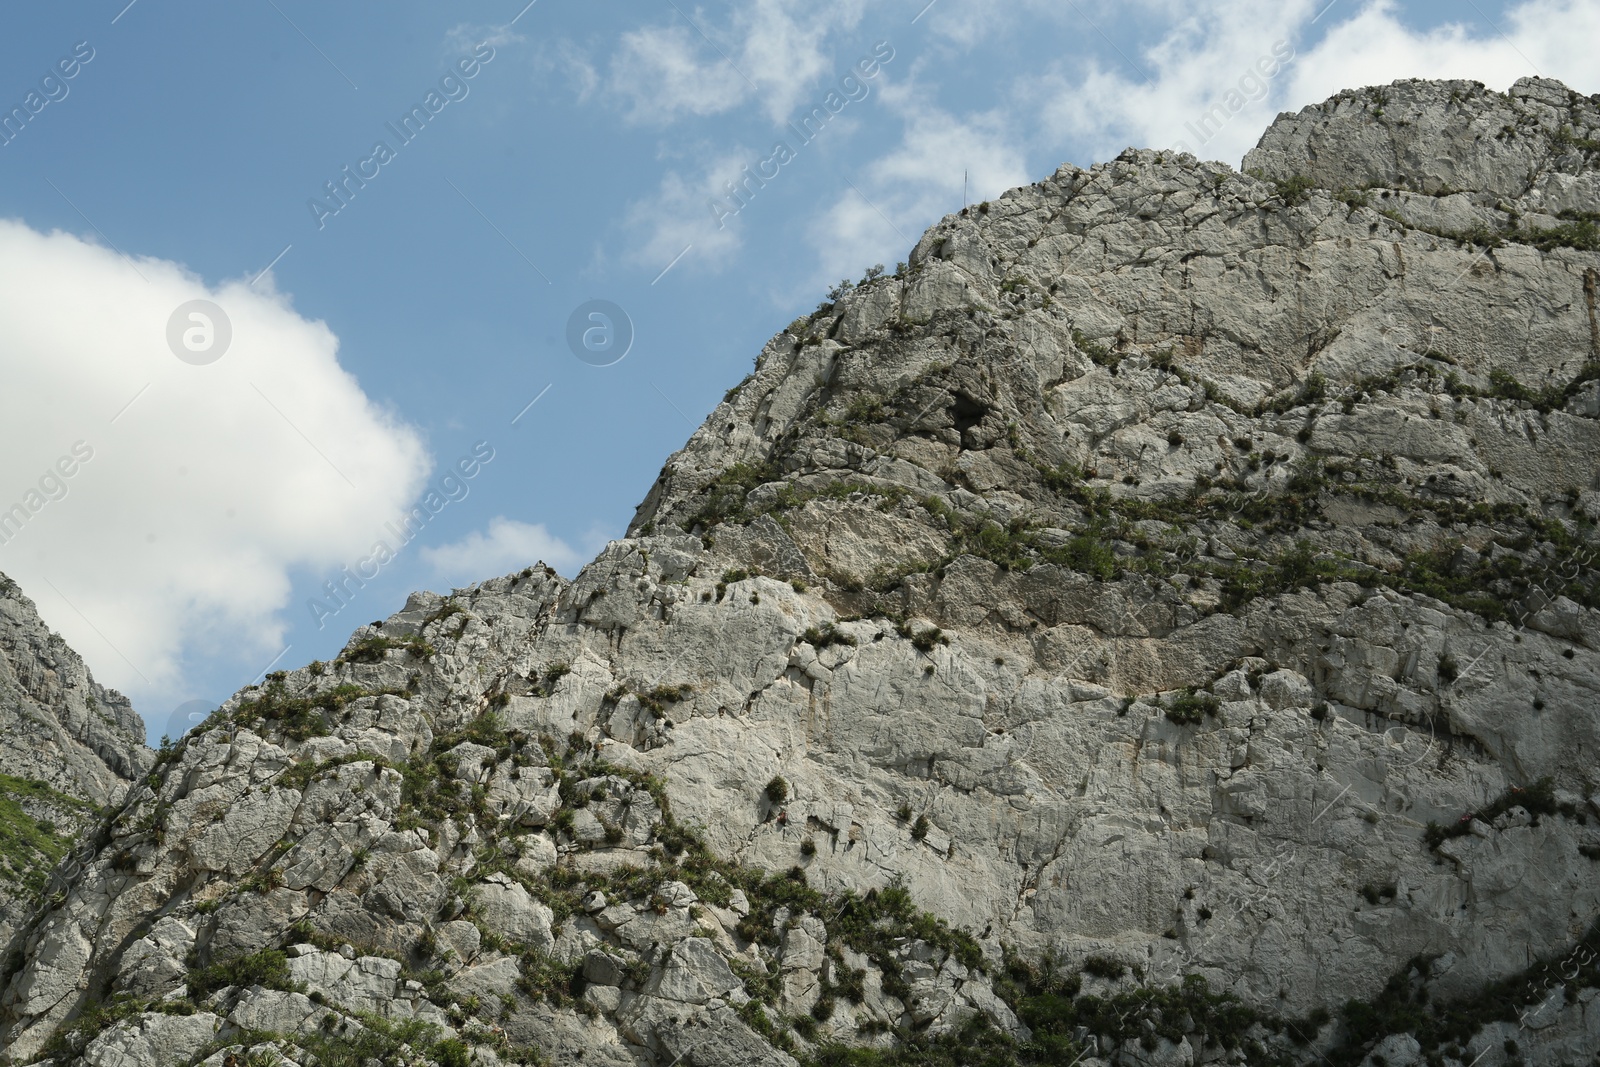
(719, 1036)
(276, 1012)
(156, 964)
(153, 1039)
(487, 981)
(254, 921)
(695, 973)
(361, 983)
(506, 908)
(253, 823)
(1418, 145)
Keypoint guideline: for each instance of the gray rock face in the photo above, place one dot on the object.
(1174, 592)
(1443, 138)
(67, 747)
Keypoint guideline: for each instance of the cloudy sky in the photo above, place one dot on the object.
(276, 275)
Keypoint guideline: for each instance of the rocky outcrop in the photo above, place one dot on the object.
(68, 746)
(1159, 624)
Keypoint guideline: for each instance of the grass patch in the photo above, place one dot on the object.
(1293, 190)
(828, 634)
(374, 648)
(655, 701)
(1404, 1005)
(268, 968)
(31, 846)
(300, 718)
(726, 497)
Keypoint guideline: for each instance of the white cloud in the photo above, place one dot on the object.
(570, 62)
(940, 150)
(772, 49)
(662, 74)
(207, 484)
(680, 213)
(464, 37)
(1206, 58)
(783, 47)
(508, 546)
(964, 24)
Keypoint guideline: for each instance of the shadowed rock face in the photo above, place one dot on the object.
(67, 747)
(1128, 582)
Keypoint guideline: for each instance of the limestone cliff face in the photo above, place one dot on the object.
(1164, 612)
(68, 746)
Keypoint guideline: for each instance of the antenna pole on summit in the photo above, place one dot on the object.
(963, 190)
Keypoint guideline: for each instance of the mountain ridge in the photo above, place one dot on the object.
(1159, 624)
(68, 746)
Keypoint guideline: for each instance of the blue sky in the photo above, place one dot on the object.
(581, 160)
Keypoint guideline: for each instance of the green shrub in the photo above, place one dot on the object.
(547, 679)
(864, 408)
(1354, 198)
(1105, 967)
(1087, 553)
(828, 634)
(1063, 478)
(300, 718)
(1295, 189)
(29, 847)
(379, 1040)
(268, 968)
(1190, 708)
(1097, 352)
(1537, 799)
(657, 699)
(725, 498)
(1581, 234)
(453, 1052)
(374, 647)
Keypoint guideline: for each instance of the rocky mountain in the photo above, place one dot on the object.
(1158, 624)
(68, 748)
